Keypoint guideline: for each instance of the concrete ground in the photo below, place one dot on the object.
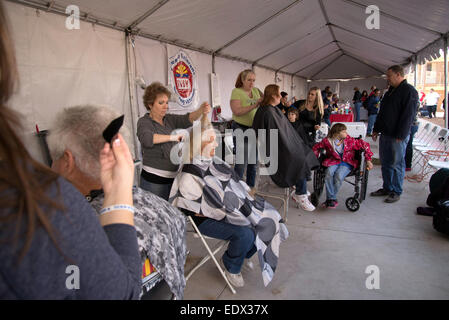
(328, 252)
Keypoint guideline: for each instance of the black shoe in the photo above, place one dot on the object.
(425, 211)
(380, 193)
(392, 197)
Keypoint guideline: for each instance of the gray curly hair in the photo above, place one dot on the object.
(80, 130)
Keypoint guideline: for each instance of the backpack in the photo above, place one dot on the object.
(441, 218)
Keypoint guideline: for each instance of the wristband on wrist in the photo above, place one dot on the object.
(117, 207)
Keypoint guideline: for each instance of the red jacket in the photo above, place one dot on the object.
(351, 145)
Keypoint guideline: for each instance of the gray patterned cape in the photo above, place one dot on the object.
(210, 187)
(160, 235)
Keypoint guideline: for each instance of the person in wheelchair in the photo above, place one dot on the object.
(340, 159)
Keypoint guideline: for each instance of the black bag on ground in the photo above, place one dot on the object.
(441, 218)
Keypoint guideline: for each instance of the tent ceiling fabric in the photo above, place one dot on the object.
(286, 35)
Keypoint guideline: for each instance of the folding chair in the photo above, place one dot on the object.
(423, 131)
(283, 197)
(211, 254)
(441, 143)
(427, 138)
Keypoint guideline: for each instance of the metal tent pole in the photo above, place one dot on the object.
(445, 81)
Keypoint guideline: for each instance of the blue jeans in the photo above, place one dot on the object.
(371, 121)
(161, 190)
(328, 122)
(251, 169)
(392, 159)
(357, 106)
(335, 175)
(301, 187)
(241, 242)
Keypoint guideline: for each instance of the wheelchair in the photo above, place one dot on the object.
(360, 183)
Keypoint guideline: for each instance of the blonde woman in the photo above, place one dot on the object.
(311, 113)
(245, 99)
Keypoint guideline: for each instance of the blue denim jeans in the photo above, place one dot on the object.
(241, 242)
(335, 175)
(392, 159)
(251, 169)
(357, 106)
(371, 121)
(161, 190)
(301, 187)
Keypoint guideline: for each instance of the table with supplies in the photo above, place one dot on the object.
(346, 117)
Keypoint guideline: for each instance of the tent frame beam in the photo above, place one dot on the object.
(360, 5)
(372, 39)
(307, 55)
(319, 60)
(328, 23)
(287, 45)
(328, 64)
(366, 64)
(258, 26)
(147, 14)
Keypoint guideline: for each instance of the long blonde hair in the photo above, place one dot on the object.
(318, 104)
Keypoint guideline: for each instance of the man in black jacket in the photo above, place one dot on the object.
(397, 110)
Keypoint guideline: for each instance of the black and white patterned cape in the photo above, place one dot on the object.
(160, 235)
(214, 190)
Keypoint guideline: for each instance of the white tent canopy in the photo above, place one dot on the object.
(285, 41)
(314, 39)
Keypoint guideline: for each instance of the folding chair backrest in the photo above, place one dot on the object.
(424, 130)
(432, 135)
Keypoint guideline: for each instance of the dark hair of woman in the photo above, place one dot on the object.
(23, 181)
(270, 91)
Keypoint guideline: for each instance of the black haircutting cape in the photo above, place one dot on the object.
(295, 158)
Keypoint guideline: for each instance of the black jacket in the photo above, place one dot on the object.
(357, 97)
(295, 158)
(397, 110)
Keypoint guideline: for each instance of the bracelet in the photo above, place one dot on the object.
(118, 207)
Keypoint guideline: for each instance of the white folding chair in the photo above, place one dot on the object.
(427, 138)
(210, 254)
(438, 144)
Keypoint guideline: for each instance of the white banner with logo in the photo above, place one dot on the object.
(182, 80)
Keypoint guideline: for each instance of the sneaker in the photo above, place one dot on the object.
(392, 197)
(380, 193)
(303, 202)
(235, 279)
(330, 204)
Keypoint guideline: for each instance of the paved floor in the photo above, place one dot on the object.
(328, 251)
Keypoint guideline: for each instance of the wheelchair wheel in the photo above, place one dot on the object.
(352, 204)
(314, 199)
(364, 185)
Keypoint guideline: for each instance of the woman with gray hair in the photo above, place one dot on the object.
(75, 142)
